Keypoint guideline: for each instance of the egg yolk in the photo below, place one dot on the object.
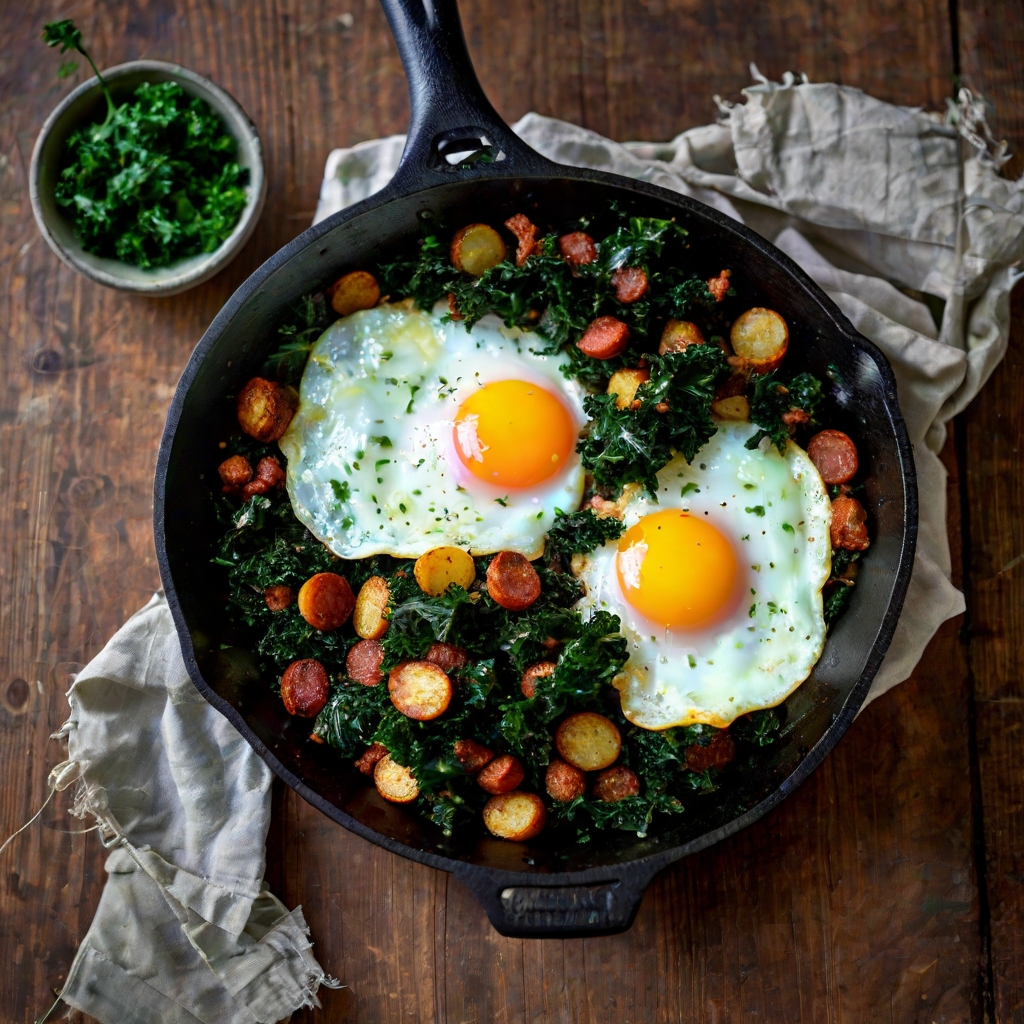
(514, 434)
(677, 570)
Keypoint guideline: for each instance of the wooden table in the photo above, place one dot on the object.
(889, 887)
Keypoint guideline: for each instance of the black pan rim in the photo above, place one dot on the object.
(644, 866)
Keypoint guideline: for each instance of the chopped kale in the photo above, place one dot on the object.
(310, 318)
(774, 398)
(578, 533)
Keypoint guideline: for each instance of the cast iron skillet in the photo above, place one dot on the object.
(539, 888)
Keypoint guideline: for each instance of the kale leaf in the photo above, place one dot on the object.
(773, 398)
(578, 533)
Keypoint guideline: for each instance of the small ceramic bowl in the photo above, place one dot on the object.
(83, 105)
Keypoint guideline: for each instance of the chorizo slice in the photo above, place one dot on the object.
(615, 784)
(516, 816)
(447, 657)
(501, 775)
(512, 581)
(717, 754)
(234, 472)
(834, 455)
(528, 682)
(526, 235)
(374, 752)
(268, 476)
(326, 601)
(265, 409)
(304, 688)
(629, 284)
(564, 781)
(278, 597)
(472, 755)
(420, 690)
(577, 248)
(363, 662)
(605, 338)
(849, 529)
(588, 741)
(354, 291)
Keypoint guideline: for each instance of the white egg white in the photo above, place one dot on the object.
(371, 462)
(776, 512)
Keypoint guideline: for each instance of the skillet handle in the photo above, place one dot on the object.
(454, 132)
(535, 910)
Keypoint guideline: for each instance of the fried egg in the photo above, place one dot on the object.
(718, 584)
(412, 433)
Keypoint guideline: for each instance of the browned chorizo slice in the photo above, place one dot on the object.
(265, 409)
(373, 753)
(363, 662)
(278, 597)
(234, 473)
(717, 754)
(849, 527)
(577, 248)
(526, 235)
(326, 601)
(835, 456)
(528, 682)
(512, 581)
(304, 688)
(472, 755)
(605, 338)
(617, 783)
(268, 476)
(564, 782)
(501, 775)
(629, 284)
(447, 657)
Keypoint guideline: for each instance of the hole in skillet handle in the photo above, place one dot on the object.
(459, 148)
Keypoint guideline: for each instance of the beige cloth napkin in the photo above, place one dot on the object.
(873, 201)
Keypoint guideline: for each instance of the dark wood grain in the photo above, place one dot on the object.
(856, 900)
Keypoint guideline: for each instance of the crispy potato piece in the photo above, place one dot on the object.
(517, 816)
(395, 782)
(588, 741)
(374, 752)
(617, 783)
(501, 775)
(528, 682)
(734, 407)
(304, 688)
(512, 581)
(624, 383)
(476, 248)
(326, 601)
(849, 528)
(268, 476)
(629, 284)
(278, 597)
(358, 290)
(235, 472)
(577, 248)
(440, 567)
(265, 409)
(564, 782)
(679, 335)
(605, 338)
(370, 618)
(472, 755)
(447, 657)
(363, 662)
(717, 754)
(759, 338)
(420, 690)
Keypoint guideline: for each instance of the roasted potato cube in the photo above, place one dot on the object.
(304, 688)
(501, 775)
(326, 601)
(265, 409)
(759, 338)
(395, 782)
(733, 407)
(517, 816)
(235, 472)
(679, 335)
(440, 567)
(512, 581)
(564, 782)
(268, 476)
(624, 383)
(363, 662)
(374, 752)
(588, 740)
(358, 290)
(472, 755)
(616, 783)
(476, 248)
(420, 690)
(528, 682)
(370, 618)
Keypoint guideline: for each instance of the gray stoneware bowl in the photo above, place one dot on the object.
(83, 104)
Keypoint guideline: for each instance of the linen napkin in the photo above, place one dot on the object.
(887, 208)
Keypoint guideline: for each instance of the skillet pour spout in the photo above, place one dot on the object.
(462, 163)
